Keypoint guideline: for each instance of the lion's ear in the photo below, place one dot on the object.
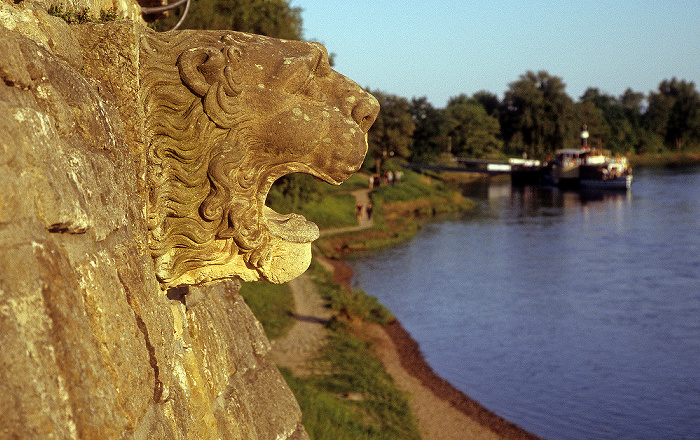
(200, 67)
(213, 74)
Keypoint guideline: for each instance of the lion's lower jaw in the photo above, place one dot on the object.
(287, 261)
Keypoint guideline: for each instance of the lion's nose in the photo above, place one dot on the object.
(365, 112)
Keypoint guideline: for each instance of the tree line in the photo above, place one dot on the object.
(535, 118)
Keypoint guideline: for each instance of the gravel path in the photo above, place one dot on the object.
(299, 347)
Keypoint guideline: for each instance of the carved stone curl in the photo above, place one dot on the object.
(227, 114)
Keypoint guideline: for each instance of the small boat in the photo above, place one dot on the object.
(587, 168)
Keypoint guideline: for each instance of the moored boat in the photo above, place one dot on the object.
(605, 172)
(525, 171)
(588, 169)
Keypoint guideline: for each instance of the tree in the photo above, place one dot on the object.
(537, 115)
(594, 119)
(674, 113)
(615, 132)
(391, 133)
(474, 133)
(274, 18)
(490, 102)
(632, 103)
(427, 137)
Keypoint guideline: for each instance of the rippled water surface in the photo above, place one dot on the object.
(574, 316)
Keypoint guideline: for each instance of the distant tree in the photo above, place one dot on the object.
(474, 133)
(633, 102)
(537, 115)
(490, 102)
(390, 135)
(616, 132)
(674, 113)
(274, 18)
(427, 137)
(634, 106)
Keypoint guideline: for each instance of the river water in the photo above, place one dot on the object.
(575, 316)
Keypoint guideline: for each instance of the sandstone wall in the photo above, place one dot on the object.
(92, 348)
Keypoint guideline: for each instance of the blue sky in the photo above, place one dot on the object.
(442, 48)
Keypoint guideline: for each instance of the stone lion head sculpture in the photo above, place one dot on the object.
(227, 114)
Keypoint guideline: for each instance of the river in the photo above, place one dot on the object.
(573, 316)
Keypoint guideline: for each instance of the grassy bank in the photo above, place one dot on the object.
(667, 158)
(272, 304)
(352, 396)
(326, 205)
(399, 212)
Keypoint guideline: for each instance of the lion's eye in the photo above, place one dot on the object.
(311, 89)
(323, 68)
(296, 79)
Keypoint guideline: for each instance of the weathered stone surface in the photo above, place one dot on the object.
(221, 365)
(122, 9)
(76, 306)
(52, 33)
(93, 346)
(111, 56)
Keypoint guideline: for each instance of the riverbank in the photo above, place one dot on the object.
(399, 211)
(668, 159)
(443, 411)
(439, 410)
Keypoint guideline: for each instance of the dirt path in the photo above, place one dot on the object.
(299, 347)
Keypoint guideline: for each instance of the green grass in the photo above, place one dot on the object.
(351, 397)
(319, 202)
(355, 303)
(356, 181)
(400, 210)
(272, 304)
(333, 211)
(413, 186)
(378, 410)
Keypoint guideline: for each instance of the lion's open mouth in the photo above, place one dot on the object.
(294, 227)
(290, 227)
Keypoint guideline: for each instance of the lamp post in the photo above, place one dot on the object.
(584, 137)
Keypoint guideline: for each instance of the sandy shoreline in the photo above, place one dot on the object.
(414, 363)
(402, 357)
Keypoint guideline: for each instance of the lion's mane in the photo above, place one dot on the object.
(203, 183)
